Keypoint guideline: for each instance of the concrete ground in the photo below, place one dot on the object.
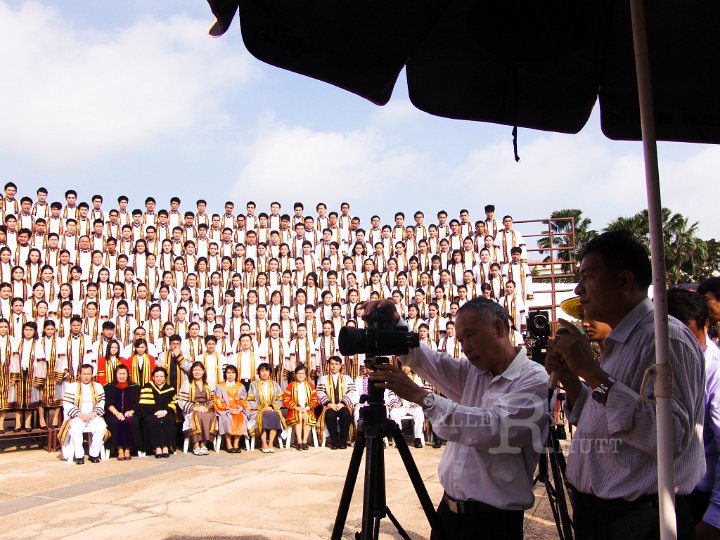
(285, 495)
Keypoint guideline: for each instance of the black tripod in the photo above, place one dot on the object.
(372, 428)
(552, 462)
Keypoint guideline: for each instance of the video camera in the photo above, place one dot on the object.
(538, 325)
(380, 338)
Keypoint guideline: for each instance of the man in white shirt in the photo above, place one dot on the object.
(336, 394)
(399, 408)
(494, 419)
(509, 238)
(84, 406)
(519, 272)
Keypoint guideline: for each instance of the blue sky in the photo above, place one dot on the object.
(132, 97)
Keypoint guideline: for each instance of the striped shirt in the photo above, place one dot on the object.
(613, 453)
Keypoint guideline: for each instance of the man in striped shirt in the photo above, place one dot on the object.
(612, 466)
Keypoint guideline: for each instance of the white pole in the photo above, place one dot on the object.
(663, 380)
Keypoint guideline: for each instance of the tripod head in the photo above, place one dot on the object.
(374, 411)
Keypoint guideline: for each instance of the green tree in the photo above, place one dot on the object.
(570, 232)
(710, 266)
(685, 254)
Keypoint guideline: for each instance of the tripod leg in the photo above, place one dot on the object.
(417, 482)
(349, 486)
(557, 467)
(374, 488)
(395, 522)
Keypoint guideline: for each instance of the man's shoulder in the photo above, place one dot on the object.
(712, 363)
(680, 334)
(532, 372)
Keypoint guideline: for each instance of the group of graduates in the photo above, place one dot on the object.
(122, 416)
(164, 292)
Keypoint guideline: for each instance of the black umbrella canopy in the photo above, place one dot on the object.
(531, 63)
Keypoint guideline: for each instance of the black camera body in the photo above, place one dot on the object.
(377, 342)
(380, 338)
(538, 325)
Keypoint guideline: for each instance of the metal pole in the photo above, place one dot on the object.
(553, 299)
(663, 381)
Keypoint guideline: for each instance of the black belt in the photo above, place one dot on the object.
(584, 501)
(468, 507)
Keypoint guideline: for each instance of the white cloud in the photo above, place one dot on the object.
(296, 163)
(379, 172)
(396, 112)
(604, 179)
(79, 103)
(71, 96)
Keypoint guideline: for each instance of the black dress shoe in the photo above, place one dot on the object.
(79, 461)
(158, 456)
(17, 429)
(437, 444)
(28, 429)
(2, 432)
(304, 446)
(95, 459)
(418, 443)
(343, 446)
(165, 455)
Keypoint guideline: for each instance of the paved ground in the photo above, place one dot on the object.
(285, 495)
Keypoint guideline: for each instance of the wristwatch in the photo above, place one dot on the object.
(600, 394)
(428, 401)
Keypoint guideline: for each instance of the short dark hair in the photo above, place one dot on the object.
(229, 367)
(264, 366)
(687, 306)
(711, 285)
(620, 251)
(335, 358)
(160, 369)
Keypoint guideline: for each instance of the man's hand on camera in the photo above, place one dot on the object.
(375, 305)
(393, 378)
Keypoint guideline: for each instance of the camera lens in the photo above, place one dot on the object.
(541, 321)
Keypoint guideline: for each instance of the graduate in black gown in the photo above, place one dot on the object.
(122, 408)
(158, 409)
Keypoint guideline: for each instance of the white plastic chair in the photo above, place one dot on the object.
(289, 432)
(216, 443)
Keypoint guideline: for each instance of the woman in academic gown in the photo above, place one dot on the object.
(122, 403)
(300, 400)
(158, 410)
(195, 400)
(265, 399)
(231, 409)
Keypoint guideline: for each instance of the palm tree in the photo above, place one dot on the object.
(710, 265)
(636, 225)
(570, 232)
(685, 253)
